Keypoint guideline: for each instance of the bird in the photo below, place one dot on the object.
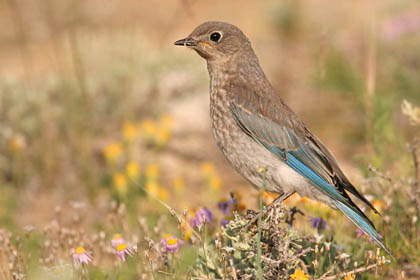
(255, 128)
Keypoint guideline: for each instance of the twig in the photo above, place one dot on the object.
(354, 271)
(170, 209)
(414, 148)
(293, 212)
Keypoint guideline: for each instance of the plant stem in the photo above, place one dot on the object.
(259, 267)
(204, 249)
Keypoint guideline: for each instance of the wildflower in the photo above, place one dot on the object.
(378, 204)
(162, 136)
(268, 197)
(186, 230)
(81, 256)
(202, 216)
(225, 206)
(179, 184)
(16, 143)
(129, 131)
(225, 221)
(239, 206)
(350, 276)
(318, 223)
(120, 183)
(166, 121)
(123, 250)
(207, 168)
(152, 171)
(293, 199)
(112, 151)
(152, 188)
(360, 233)
(299, 274)
(170, 243)
(132, 169)
(215, 182)
(116, 240)
(149, 127)
(163, 194)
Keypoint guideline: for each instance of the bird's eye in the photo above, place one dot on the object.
(215, 36)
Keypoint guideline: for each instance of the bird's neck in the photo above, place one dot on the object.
(240, 71)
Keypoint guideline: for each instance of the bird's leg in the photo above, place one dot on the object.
(278, 200)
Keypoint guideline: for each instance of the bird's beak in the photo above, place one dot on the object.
(187, 42)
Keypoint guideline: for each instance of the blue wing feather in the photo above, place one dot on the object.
(307, 160)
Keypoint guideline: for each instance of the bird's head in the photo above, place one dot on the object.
(216, 41)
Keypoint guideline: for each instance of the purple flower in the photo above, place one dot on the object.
(202, 216)
(81, 256)
(361, 233)
(225, 221)
(123, 250)
(317, 223)
(170, 243)
(225, 206)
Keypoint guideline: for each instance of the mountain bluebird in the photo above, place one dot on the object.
(254, 128)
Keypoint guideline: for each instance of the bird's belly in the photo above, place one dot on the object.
(247, 157)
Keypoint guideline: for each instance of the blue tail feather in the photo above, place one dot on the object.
(352, 212)
(362, 224)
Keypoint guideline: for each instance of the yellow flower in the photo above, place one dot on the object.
(120, 183)
(378, 204)
(186, 230)
(116, 236)
(149, 127)
(132, 169)
(163, 194)
(179, 184)
(292, 199)
(162, 136)
(80, 250)
(129, 131)
(121, 247)
(166, 121)
(350, 276)
(112, 151)
(268, 197)
(207, 168)
(299, 274)
(16, 143)
(152, 171)
(215, 182)
(153, 188)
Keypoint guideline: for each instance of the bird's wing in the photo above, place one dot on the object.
(288, 138)
(288, 141)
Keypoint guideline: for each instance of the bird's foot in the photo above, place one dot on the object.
(267, 209)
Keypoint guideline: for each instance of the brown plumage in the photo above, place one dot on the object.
(254, 128)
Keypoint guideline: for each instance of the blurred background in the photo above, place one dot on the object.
(95, 100)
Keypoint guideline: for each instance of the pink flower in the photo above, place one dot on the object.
(81, 256)
(360, 233)
(123, 250)
(116, 240)
(170, 243)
